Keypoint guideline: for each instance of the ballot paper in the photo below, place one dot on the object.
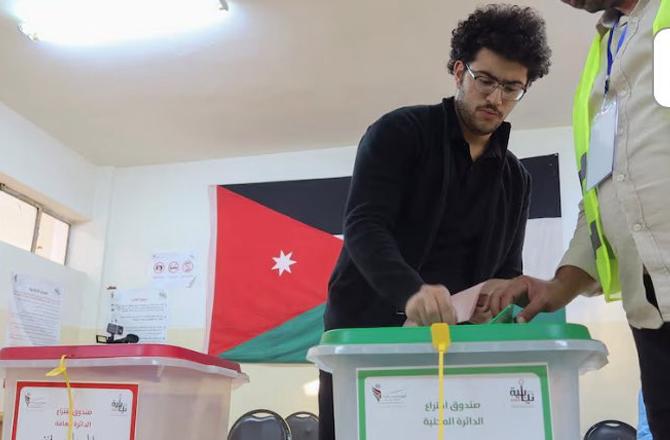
(465, 303)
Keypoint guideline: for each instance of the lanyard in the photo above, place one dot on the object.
(610, 56)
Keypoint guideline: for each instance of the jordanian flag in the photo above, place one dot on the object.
(276, 246)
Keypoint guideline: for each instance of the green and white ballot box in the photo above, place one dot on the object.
(502, 381)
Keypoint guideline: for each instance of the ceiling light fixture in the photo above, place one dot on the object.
(99, 22)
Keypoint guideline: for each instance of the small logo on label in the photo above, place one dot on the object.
(521, 395)
(377, 392)
(389, 398)
(33, 401)
(119, 406)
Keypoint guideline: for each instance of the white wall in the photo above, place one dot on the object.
(87, 251)
(39, 166)
(43, 168)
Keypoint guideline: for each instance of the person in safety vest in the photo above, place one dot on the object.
(621, 246)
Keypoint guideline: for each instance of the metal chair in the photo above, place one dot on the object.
(304, 425)
(260, 424)
(611, 430)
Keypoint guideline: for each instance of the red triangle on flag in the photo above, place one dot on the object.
(270, 268)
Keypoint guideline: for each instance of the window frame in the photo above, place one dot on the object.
(41, 209)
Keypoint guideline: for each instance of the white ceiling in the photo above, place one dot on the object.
(276, 76)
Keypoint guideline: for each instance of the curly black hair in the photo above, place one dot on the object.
(513, 32)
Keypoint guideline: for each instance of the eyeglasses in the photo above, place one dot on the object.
(486, 84)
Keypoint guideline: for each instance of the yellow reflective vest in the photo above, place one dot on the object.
(606, 262)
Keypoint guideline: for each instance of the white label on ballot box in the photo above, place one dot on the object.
(102, 411)
(480, 403)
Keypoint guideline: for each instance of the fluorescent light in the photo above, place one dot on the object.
(311, 389)
(95, 22)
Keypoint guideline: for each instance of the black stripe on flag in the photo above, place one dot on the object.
(546, 196)
(320, 202)
(316, 202)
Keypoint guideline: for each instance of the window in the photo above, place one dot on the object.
(17, 221)
(26, 224)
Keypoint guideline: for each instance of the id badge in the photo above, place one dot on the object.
(600, 159)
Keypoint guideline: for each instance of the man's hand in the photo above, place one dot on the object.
(533, 294)
(482, 313)
(536, 295)
(431, 304)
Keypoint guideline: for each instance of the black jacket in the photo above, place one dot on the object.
(394, 210)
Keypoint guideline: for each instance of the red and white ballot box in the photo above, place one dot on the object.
(119, 392)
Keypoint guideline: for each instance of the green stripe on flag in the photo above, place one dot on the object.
(286, 344)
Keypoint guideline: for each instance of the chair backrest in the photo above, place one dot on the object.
(260, 424)
(611, 430)
(304, 425)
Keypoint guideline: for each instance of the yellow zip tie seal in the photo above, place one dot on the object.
(62, 369)
(441, 341)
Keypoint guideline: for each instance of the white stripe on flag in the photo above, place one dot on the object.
(543, 248)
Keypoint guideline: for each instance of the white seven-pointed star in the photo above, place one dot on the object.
(283, 263)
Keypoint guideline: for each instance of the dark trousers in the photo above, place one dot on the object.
(653, 350)
(326, 415)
